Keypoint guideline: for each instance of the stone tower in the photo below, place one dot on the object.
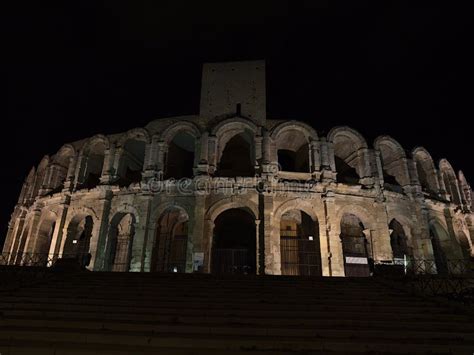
(234, 89)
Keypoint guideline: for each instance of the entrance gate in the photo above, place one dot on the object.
(300, 257)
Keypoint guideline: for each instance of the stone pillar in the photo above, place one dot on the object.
(13, 226)
(150, 165)
(258, 152)
(266, 158)
(32, 233)
(364, 169)
(269, 247)
(201, 236)
(69, 182)
(202, 162)
(117, 160)
(58, 233)
(212, 154)
(257, 246)
(334, 266)
(160, 164)
(424, 244)
(144, 238)
(442, 186)
(328, 164)
(98, 241)
(378, 162)
(108, 167)
(315, 156)
(207, 244)
(380, 236)
(18, 237)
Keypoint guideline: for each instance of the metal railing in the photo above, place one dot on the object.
(41, 259)
(452, 279)
(412, 266)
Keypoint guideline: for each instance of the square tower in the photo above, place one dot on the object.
(234, 88)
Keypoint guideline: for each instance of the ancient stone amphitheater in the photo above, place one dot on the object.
(230, 191)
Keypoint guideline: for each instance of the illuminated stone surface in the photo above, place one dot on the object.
(124, 198)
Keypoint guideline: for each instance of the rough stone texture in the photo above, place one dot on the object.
(111, 177)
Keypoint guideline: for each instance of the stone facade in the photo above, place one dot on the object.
(108, 195)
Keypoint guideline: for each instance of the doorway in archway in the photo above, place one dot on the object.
(234, 243)
(354, 246)
(299, 244)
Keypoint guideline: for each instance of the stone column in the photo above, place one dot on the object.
(335, 263)
(201, 233)
(257, 246)
(117, 162)
(378, 162)
(258, 152)
(212, 154)
(98, 242)
(269, 247)
(207, 244)
(203, 162)
(442, 186)
(69, 182)
(160, 165)
(315, 156)
(11, 232)
(380, 236)
(32, 233)
(58, 233)
(364, 169)
(108, 167)
(144, 238)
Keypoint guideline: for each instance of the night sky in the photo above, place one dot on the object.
(75, 69)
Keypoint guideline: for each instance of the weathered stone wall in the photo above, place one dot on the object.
(108, 177)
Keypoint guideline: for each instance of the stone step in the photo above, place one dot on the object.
(229, 305)
(332, 341)
(97, 321)
(212, 290)
(239, 298)
(142, 312)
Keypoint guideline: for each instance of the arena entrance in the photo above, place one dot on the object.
(77, 244)
(171, 241)
(354, 246)
(299, 245)
(234, 243)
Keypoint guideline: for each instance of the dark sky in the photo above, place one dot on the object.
(78, 68)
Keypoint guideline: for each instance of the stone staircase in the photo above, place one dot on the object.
(146, 313)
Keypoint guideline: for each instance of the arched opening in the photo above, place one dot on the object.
(466, 191)
(347, 143)
(171, 241)
(237, 157)
(77, 244)
(19, 244)
(398, 241)
(179, 160)
(450, 181)
(44, 237)
(131, 162)
(346, 174)
(394, 166)
(354, 246)
(293, 151)
(466, 248)
(438, 238)
(234, 243)
(121, 233)
(93, 164)
(56, 177)
(299, 244)
(426, 171)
